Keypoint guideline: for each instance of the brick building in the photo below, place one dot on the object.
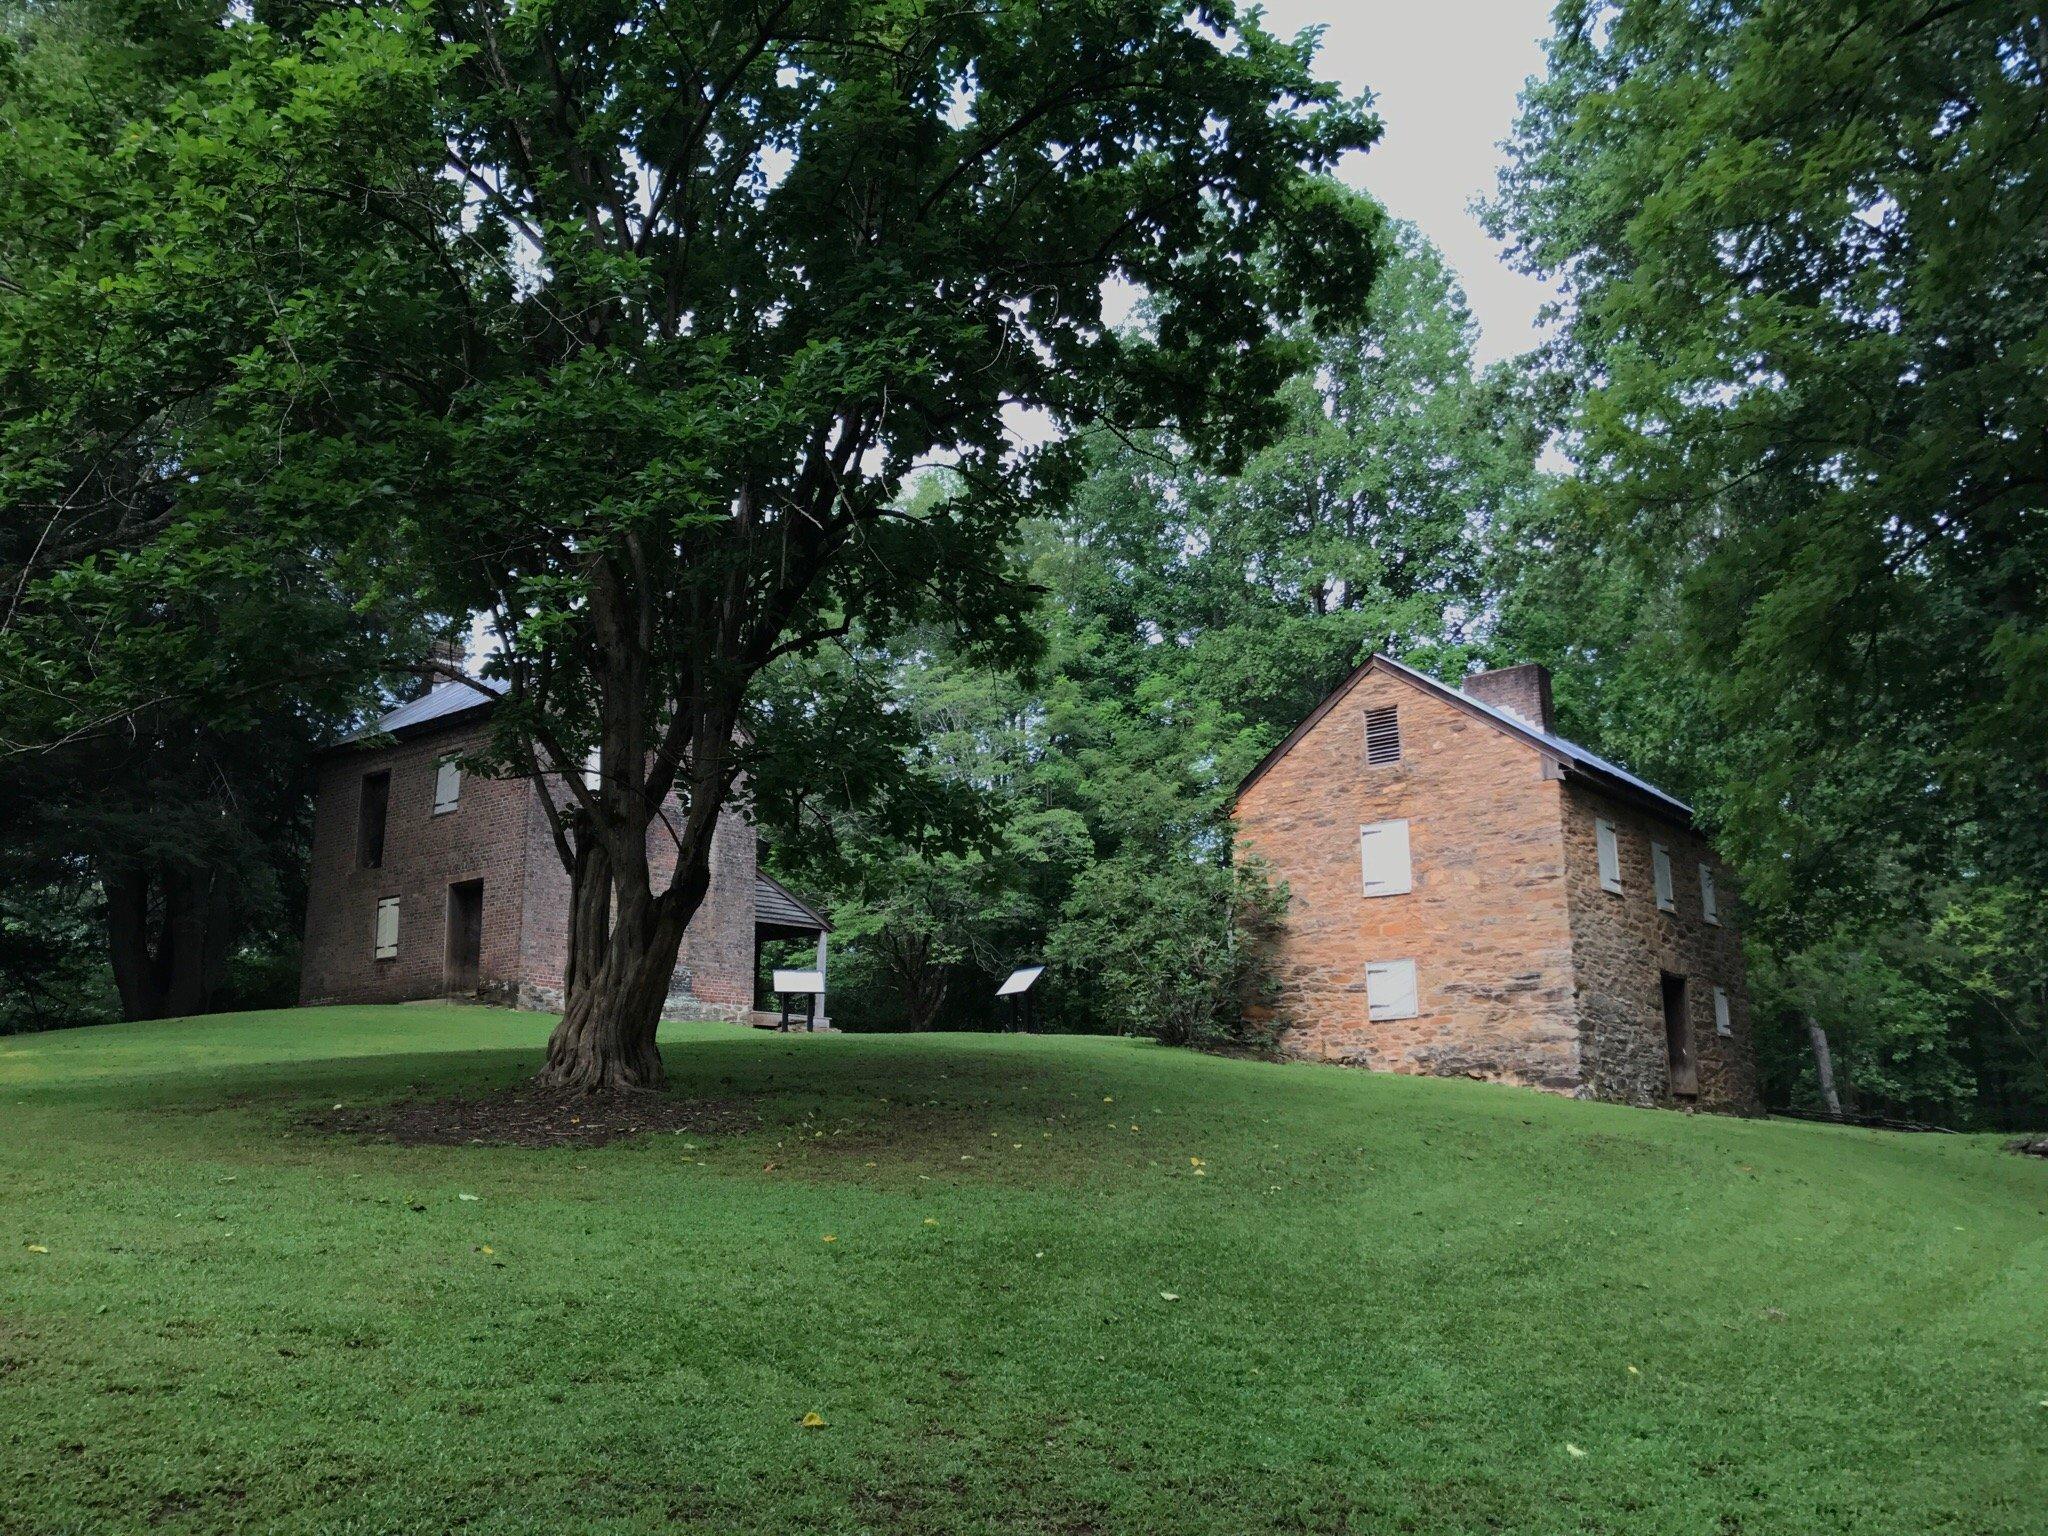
(1471, 895)
(429, 882)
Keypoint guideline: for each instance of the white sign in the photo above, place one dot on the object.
(812, 982)
(1020, 981)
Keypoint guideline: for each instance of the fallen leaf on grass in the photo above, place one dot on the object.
(37, 1248)
(486, 1249)
(1169, 1296)
(1573, 1449)
(468, 1197)
(828, 1238)
(931, 1221)
(814, 1421)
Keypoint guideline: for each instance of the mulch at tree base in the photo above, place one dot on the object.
(533, 1117)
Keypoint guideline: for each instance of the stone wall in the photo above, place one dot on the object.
(1486, 923)
(1622, 944)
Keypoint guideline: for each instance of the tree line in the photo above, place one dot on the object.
(687, 343)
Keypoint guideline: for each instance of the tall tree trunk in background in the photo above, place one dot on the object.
(128, 948)
(924, 984)
(169, 934)
(1823, 1066)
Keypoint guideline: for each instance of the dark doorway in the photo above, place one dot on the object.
(1685, 1072)
(465, 935)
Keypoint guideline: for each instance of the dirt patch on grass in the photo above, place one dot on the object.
(533, 1117)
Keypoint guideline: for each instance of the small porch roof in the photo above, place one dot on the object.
(778, 913)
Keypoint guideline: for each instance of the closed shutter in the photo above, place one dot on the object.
(1610, 856)
(1660, 870)
(1709, 907)
(1721, 1026)
(447, 787)
(1390, 990)
(1383, 855)
(387, 928)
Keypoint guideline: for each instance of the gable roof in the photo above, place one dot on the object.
(444, 701)
(1574, 758)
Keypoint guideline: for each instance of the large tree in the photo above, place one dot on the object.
(764, 259)
(184, 615)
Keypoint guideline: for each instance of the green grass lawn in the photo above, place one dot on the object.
(1402, 1305)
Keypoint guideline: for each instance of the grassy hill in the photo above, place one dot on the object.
(1396, 1305)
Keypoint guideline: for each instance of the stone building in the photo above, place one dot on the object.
(1471, 895)
(429, 882)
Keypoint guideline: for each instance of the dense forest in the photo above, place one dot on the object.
(1769, 505)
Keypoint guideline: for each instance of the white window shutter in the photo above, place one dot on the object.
(1709, 907)
(1721, 1026)
(447, 786)
(1610, 856)
(1390, 990)
(1383, 857)
(1660, 869)
(387, 928)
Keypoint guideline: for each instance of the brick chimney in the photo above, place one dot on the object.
(451, 649)
(1523, 692)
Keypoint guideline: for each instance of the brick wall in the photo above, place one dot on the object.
(498, 833)
(1622, 944)
(423, 855)
(714, 975)
(715, 971)
(1486, 923)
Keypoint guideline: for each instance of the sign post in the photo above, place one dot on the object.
(808, 985)
(1023, 1011)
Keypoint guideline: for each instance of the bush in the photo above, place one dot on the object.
(1174, 948)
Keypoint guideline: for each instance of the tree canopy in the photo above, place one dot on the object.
(1803, 249)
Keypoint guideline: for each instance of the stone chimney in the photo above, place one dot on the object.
(1523, 692)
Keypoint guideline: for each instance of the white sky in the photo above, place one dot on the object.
(1444, 74)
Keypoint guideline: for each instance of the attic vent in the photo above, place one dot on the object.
(1382, 736)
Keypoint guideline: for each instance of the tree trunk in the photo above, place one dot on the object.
(168, 937)
(136, 976)
(590, 912)
(606, 1037)
(1823, 1066)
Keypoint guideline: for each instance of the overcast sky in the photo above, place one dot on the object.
(1444, 74)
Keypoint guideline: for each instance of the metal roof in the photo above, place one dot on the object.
(775, 907)
(443, 701)
(1571, 753)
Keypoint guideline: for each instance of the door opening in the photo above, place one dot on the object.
(1685, 1072)
(465, 936)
